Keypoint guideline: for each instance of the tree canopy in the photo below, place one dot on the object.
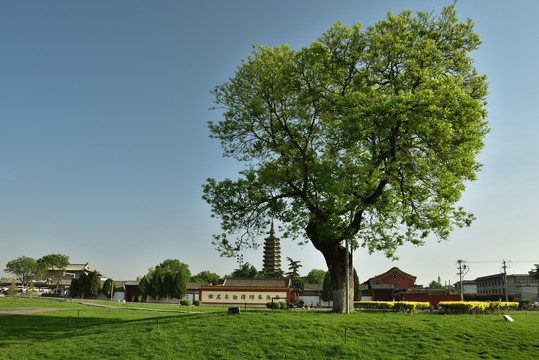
(54, 265)
(24, 268)
(207, 277)
(315, 276)
(367, 136)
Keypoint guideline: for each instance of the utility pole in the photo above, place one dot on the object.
(347, 302)
(504, 265)
(461, 274)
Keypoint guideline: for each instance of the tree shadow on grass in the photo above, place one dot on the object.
(78, 322)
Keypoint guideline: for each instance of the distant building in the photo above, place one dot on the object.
(394, 276)
(521, 286)
(272, 254)
(469, 286)
(395, 284)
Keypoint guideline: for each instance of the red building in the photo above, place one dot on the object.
(396, 277)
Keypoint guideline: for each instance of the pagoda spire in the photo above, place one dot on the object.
(272, 253)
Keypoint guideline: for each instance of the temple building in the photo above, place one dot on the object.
(272, 254)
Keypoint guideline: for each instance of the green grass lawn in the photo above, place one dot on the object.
(86, 332)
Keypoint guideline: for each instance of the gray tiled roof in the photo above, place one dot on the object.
(256, 282)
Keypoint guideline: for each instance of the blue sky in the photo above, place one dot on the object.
(104, 145)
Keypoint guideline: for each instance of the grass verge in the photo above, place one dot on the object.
(86, 332)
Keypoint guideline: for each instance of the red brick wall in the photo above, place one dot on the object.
(432, 299)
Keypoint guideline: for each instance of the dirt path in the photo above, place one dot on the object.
(137, 308)
(24, 311)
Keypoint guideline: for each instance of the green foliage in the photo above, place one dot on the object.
(83, 285)
(327, 290)
(282, 304)
(31, 290)
(534, 273)
(261, 334)
(197, 303)
(179, 287)
(298, 283)
(24, 268)
(246, 271)
(357, 287)
(167, 280)
(206, 277)
(54, 265)
(94, 286)
(409, 306)
(143, 288)
(74, 288)
(475, 307)
(273, 305)
(12, 290)
(156, 286)
(435, 285)
(293, 268)
(365, 135)
(185, 302)
(315, 276)
(172, 266)
(107, 288)
(168, 284)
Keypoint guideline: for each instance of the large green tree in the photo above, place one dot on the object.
(206, 277)
(172, 266)
(54, 266)
(24, 268)
(108, 288)
(179, 288)
(315, 276)
(94, 285)
(246, 271)
(366, 136)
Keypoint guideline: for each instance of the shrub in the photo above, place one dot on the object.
(475, 307)
(185, 302)
(392, 305)
(282, 304)
(197, 302)
(275, 305)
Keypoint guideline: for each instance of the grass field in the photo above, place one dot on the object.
(77, 331)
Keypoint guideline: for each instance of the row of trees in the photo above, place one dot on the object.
(26, 268)
(167, 280)
(87, 286)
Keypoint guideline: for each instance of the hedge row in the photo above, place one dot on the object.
(475, 307)
(276, 305)
(392, 305)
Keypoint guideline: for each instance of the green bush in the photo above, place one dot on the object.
(197, 303)
(283, 304)
(275, 305)
(185, 302)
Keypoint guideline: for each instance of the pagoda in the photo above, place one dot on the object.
(272, 254)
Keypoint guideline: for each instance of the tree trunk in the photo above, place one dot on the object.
(336, 261)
